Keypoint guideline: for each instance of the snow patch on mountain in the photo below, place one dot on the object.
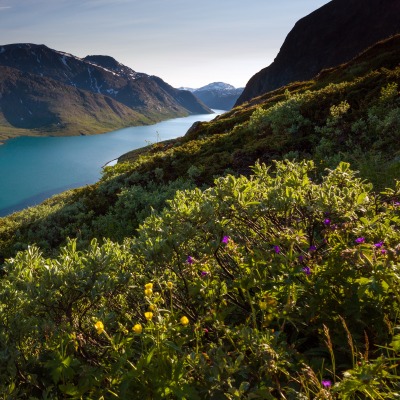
(217, 86)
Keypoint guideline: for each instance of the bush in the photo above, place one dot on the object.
(275, 285)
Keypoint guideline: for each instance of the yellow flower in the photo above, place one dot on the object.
(99, 326)
(148, 292)
(148, 315)
(263, 305)
(137, 329)
(152, 307)
(170, 285)
(184, 321)
(148, 286)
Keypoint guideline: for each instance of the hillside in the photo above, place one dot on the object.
(333, 34)
(348, 113)
(32, 105)
(133, 98)
(256, 257)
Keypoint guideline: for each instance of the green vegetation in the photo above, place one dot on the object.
(262, 287)
(193, 271)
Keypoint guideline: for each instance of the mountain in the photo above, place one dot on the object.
(329, 36)
(217, 95)
(34, 104)
(143, 98)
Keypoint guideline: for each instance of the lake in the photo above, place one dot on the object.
(33, 169)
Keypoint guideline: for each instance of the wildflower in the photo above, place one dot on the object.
(148, 315)
(263, 305)
(383, 251)
(148, 292)
(312, 248)
(277, 249)
(170, 285)
(148, 286)
(99, 326)
(301, 258)
(360, 240)
(189, 260)
(203, 273)
(326, 383)
(152, 307)
(378, 245)
(306, 270)
(184, 321)
(137, 328)
(225, 239)
(396, 203)
(327, 221)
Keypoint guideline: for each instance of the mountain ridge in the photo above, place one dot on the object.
(149, 97)
(332, 34)
(217, 95)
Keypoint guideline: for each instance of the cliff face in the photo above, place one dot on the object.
(331, 35)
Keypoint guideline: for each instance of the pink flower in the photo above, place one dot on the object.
(225, 239)
(326, 383)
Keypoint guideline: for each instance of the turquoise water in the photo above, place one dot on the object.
(33, 169)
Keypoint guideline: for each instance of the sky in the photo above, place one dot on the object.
(187, 43)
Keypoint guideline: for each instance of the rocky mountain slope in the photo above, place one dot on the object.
(143, 98)
(218, 95)
(30, 104)
(327, 37)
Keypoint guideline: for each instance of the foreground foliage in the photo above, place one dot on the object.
(277, 285)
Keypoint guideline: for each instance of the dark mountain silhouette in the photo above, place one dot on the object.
(329, 36)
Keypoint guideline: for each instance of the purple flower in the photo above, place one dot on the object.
(203, 273)
(225, 239)
(301, 258)
(327, 221)
(306, 270)
(189, 260)
(312, 248)
(396, 203)
(360, 240)
(383, 251)
(326, 383)
(277, 249)
(378, 245)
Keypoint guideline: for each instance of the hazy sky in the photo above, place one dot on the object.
(185, 42)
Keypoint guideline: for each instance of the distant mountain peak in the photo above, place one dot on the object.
(217, 86)
(217, 95)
